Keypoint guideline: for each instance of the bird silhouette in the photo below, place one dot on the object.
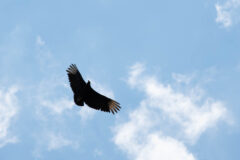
(83, 93)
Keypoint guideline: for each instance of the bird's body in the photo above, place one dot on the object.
(83, 93)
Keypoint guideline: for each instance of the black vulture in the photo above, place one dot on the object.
(83, 93)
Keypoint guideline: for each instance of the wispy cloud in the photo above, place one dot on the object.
(165, 117)
(40, 41)
(51, 141)
(56, 141)
(86, 113)
(59, 105)
(8, 110)
(181, 78)
(56, 112)
(228, 13)
(49, 95)
(46, 59)
(98, 152)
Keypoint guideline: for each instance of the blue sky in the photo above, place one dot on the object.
(173, 65)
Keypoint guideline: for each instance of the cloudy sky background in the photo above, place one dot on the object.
(173, 65)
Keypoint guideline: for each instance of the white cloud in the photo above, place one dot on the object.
(135, 71)
(57, 141)
(228, 13)
(49, 96)
(46, 59)
(86, 113)
(97, 152)
(165, 148)
(8, 110)
(193, 115)
(55, 107)
(181, 78)
(51, 141)
(59, 105)
(165, 111)
(137, 138)
(40, 41)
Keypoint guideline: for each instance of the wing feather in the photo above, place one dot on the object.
(75, 78)
(100, 102)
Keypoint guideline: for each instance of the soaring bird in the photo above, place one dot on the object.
(83, 93)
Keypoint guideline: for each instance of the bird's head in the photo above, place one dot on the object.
(88, 83)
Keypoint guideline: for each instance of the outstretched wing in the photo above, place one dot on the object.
(76, 81)
(100, 102)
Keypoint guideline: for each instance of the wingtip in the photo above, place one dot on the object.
(114, 107)
(72, 69)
